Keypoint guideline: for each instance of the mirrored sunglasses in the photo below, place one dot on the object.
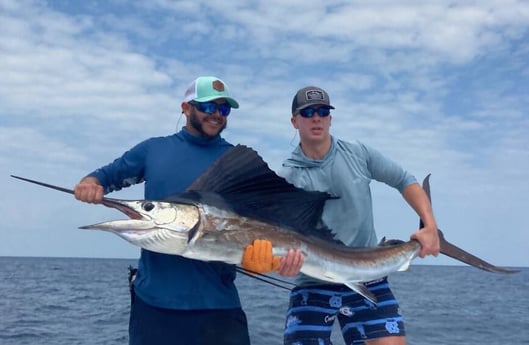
(210, 107)
(309, 112)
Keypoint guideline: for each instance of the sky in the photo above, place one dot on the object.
(441, 87)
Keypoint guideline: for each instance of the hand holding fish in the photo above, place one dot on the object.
(291, 263)
(429, 239)
(258, 257)
(89, 190)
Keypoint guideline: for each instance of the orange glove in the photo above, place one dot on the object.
(258, 257)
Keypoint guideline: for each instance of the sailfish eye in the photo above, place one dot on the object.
(148, 206)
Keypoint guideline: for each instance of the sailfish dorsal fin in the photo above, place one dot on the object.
(240, 180)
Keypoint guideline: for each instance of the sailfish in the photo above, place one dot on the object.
(239, 199)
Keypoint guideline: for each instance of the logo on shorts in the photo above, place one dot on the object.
(392, 327)
(335, 301)
(329, 318)
(292, 321)
(346, 311)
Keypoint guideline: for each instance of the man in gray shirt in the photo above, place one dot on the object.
(345, 169)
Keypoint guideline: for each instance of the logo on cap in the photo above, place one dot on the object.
(218, 85)
(314, 95)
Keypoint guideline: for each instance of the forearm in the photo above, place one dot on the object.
(428, 235)
(419, 201)
(90, 179)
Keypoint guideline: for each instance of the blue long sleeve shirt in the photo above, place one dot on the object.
(168, 165)
(346, 172)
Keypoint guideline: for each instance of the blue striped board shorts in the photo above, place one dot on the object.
(313, 310)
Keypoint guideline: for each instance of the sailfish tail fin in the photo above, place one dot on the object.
(454, 251)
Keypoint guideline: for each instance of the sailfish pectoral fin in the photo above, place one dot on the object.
(362, 290)
(457, 253)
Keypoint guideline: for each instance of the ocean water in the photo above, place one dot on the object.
(59, 301)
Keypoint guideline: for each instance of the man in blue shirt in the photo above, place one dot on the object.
(178, 300)
(345, 169)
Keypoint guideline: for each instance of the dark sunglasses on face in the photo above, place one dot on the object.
(210, 107)
(309, 112)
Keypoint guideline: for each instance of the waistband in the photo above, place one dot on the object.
(340, 287)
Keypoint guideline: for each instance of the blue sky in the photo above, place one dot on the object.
(440, 86)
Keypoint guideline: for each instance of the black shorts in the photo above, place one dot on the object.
(150, 325)
(313, 309)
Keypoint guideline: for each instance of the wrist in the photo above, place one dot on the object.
(90, 179)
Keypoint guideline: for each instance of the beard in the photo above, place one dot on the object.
(195, 122)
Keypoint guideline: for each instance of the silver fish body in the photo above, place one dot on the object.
(207, 233)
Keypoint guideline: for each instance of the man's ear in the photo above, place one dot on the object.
(185, 108)
(294, 122)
